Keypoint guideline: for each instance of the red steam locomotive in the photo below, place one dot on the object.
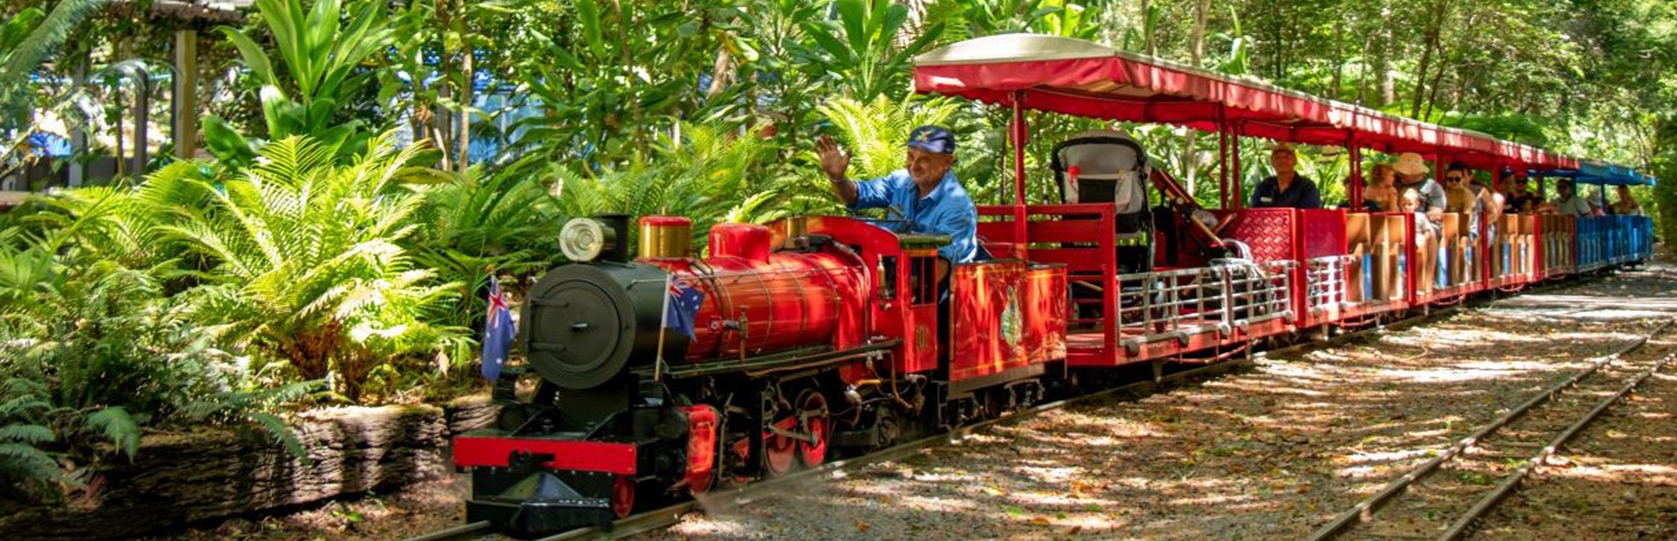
(806, 335)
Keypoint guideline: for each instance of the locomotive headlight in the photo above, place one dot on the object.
(584, 239)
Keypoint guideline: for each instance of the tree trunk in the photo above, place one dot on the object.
(1332, 91)
(464, 141)
(1148, 43)
(720, 72)
(1190, 152)
(1435, 27)
(1387, 92)
(1363, 71)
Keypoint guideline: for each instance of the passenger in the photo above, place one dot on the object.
(926, 194)
(1567, 202)
(1463, 198)
(1286, 188)
(1381, 195)
(1412, 175)
(1493, 202)
(1626, 206)
(1521, 199)
(1457, 197)
(1597, 201)
(1425, 229)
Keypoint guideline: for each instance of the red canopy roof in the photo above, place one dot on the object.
(1076, 77)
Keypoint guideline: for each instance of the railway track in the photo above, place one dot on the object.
(1446, 496)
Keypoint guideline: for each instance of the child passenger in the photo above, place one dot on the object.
(1427, 235)
(1381, 195)
(1424, 228)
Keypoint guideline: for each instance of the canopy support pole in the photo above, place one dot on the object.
(1019, 138)
(1356, 156)
(1234, 201)
(1222, 159)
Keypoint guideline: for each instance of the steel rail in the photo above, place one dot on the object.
(1513, 480)
(464, 530)
(1364, 510)
(670, 515)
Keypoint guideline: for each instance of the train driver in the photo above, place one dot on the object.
(1286, 188)
(925, 195)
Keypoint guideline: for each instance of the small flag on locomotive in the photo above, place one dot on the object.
(681, 303)
(497, 332)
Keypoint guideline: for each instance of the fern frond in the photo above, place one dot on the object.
(23, 433)
(282, 433)
(115, 423)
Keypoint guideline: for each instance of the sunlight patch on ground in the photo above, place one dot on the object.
(1448, 374)
(1214, 499)
(1387, 457)
(1619, 473)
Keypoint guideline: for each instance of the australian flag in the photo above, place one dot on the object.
(497, 332)
(681, 305)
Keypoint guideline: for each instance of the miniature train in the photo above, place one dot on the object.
(667, 374)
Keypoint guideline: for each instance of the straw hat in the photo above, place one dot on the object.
(1410, 163)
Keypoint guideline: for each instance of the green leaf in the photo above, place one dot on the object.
(32, 463)
(117, 425)
(565, 58)
(26, 433)
(252, 54)
(588, 15)
(226, 144)
(283, 434)
(853, 15)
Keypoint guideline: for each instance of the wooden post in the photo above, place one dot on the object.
(185, 98)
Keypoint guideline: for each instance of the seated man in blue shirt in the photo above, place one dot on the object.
(925, 194)
(1286, 188)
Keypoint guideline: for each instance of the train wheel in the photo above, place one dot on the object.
(623, 496)
(778, 450)
(818, 424)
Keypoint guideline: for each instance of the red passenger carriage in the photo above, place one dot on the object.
(669, 374)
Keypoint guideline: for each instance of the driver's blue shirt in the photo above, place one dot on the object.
(947, 210)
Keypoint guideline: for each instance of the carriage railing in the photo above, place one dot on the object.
(1178, 304)
(1327, 280)
(1169, 304)
(1269, 294)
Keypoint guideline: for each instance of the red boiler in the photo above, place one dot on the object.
(757, 300)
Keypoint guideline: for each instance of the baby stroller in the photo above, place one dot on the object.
(1110, 167)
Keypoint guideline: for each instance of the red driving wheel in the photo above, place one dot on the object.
(623, 496)
(778, 450)
(818, 424)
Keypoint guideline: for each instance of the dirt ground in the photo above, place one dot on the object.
(413, 511)
(1268, 453)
